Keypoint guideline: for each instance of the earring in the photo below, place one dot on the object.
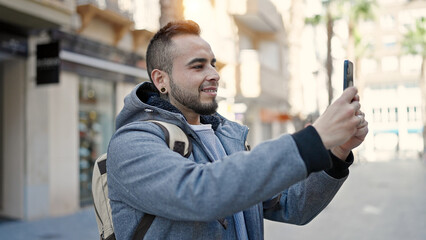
(163, 90)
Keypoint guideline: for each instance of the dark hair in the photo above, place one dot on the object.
(159, 52)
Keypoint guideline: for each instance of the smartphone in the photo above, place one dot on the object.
(348, 74)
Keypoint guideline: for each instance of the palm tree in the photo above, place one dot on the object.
(329, 18)
(332, 13)
(315, 21)
(329, 62)
(414, 42)
(361, 50)
(357, 10)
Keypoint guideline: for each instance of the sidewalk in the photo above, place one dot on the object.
(383, 200)
(81, 226)
(380, 201)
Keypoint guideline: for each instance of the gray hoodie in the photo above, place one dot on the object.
(194, 198)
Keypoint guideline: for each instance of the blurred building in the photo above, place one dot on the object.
(391, 96)
(29, 121)
(65, 67)
(387, 77)
(249, 41)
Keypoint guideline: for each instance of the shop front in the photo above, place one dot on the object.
(53, 130)
(59, 94)
(13, 56)
(105, 75)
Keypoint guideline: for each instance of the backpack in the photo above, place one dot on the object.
(177, 141)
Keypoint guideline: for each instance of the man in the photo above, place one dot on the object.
(221, 191)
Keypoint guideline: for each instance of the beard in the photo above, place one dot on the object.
(192, 100)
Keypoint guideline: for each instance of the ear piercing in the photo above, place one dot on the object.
(163, 90)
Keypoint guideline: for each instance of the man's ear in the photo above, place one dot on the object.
(159, 78)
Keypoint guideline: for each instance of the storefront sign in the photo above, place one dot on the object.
(48, 63)
(12, 44)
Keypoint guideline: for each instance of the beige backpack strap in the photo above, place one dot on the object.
(176, 139)
(101, 202)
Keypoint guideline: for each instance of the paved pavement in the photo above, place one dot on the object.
(79, 226)
(379, 201)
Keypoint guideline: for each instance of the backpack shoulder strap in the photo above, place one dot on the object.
(176, 139)
(100, 198)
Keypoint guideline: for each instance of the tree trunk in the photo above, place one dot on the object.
(350, 51)
(171, 10)
(329, 61)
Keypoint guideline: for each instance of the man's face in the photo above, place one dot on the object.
(194, 79)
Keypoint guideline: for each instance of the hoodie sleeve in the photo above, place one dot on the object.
(304, 200)
(146, 175)
(312, 149)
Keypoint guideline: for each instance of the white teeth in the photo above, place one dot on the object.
(209, 90)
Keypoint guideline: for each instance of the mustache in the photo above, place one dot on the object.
(209, 84)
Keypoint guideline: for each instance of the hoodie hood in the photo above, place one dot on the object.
(144, 103)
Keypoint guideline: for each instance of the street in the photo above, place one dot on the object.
(379, 201)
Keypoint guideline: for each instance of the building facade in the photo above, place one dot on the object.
(65, 67)
(391, 93)
(249, 40)
(27, 149)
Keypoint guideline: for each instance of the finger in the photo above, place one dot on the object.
(349, 94)
(360, 120)
(363, 124)
(356, 98)
(356, 106)
(362, 131)
(359, 112)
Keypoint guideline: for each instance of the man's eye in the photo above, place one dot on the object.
(198, 66)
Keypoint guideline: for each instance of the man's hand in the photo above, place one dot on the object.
(342, 126)
(343, 150)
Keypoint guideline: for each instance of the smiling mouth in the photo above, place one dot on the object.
(209, 90)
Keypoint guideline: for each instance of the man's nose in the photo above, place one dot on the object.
(213, 74)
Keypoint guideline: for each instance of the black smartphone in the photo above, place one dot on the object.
(348, 74)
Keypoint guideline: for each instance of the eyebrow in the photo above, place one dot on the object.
(200, 60)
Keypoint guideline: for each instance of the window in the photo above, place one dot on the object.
(390, 64)
(411, 64)
(369, 65)
(387, 22)
(96, 126)
(377, 115)
(413, 114)
(269, 54)
(385, 115)
(389, 41)
(147, 13)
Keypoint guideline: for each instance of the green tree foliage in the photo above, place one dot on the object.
(354, 11)
(414, 41)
